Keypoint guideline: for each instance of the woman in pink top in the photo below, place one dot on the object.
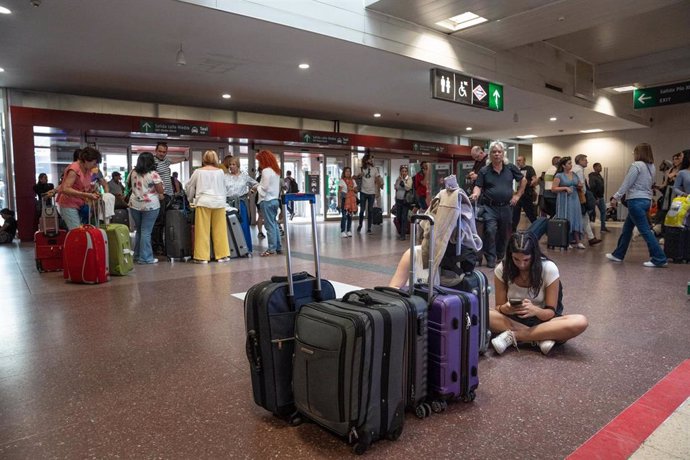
(76, 189)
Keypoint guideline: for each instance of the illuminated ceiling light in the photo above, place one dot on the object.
(469, 128)
(377, 115)
(180, 59)
(1, 70)
(527, 136)
(588, 131)
(4, 10)
(303, 66)
(553, 119)
(461, 21)
(226, 96)
(625, 89)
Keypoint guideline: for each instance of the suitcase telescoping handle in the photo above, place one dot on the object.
(413, 240)
(311, 198)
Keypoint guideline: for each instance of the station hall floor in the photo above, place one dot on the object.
(153, 365)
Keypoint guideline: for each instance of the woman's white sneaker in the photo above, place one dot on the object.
(613, 258)
(545, 346)
(503, 341)
(343, 235)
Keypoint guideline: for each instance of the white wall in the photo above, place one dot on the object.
(669, 134)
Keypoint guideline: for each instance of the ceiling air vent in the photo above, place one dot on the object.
(553, 87)
(584, 80)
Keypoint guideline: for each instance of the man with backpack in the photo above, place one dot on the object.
(290, 185)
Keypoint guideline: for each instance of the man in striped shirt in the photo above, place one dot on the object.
(163, 169)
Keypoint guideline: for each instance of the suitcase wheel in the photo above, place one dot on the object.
(39, 266)
(363, 443)
(395, 434)
(423, 410)
(295, 419)
(469, 397)
(439, 406)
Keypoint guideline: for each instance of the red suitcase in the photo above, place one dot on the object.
(86, 255)
(49, 239)
(49, 251)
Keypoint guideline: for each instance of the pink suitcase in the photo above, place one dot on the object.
(86, 255)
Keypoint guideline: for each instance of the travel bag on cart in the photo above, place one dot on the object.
(49, 222)
(349, 368)
(453, 355)
(270, 308)
(238, 244)
(49, 239)
(178, 233)
(677, 244)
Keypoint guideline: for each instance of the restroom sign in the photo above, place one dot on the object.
(461, 89)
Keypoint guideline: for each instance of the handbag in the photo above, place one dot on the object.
(409, 197)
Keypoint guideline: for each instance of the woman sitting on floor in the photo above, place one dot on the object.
(528, 293)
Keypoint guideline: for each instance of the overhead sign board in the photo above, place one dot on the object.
(461, 89)
(320, 138)
(677, 93)
(175, 129)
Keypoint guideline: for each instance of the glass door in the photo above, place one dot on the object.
(115, 158)
(308, 170)
(334, 170)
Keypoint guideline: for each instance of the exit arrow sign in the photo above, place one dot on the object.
(677, 93)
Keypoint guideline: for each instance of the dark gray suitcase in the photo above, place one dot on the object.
(270, 308)
(178, 234)
(349, 369)
(238, 244)
(416, 310)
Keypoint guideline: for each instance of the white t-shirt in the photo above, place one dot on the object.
(369, 176)
(549, 274)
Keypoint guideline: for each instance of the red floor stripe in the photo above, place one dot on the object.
(625, 433)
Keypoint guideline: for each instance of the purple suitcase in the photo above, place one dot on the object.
(453, 338)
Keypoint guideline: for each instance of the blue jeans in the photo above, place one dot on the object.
(637, 217)
(71, 217)
(601, 205)
(366, 203)
(144, 220)
(345, 217)
(270, 210)
(497, 226)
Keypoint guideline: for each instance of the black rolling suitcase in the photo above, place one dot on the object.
(558, 233)
(178, 234)
(270, 308)
(349, 368)
(677, 244)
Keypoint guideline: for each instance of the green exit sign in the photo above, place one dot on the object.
(461, 89)
(677, 93)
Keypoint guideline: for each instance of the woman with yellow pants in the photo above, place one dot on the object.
(206, 191)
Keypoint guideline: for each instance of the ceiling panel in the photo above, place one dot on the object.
(651, 32)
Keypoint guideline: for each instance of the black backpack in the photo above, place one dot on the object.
(293, 187)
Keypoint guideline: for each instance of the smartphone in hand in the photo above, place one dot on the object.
(515, 302)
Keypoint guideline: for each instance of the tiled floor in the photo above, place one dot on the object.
(153, 364)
